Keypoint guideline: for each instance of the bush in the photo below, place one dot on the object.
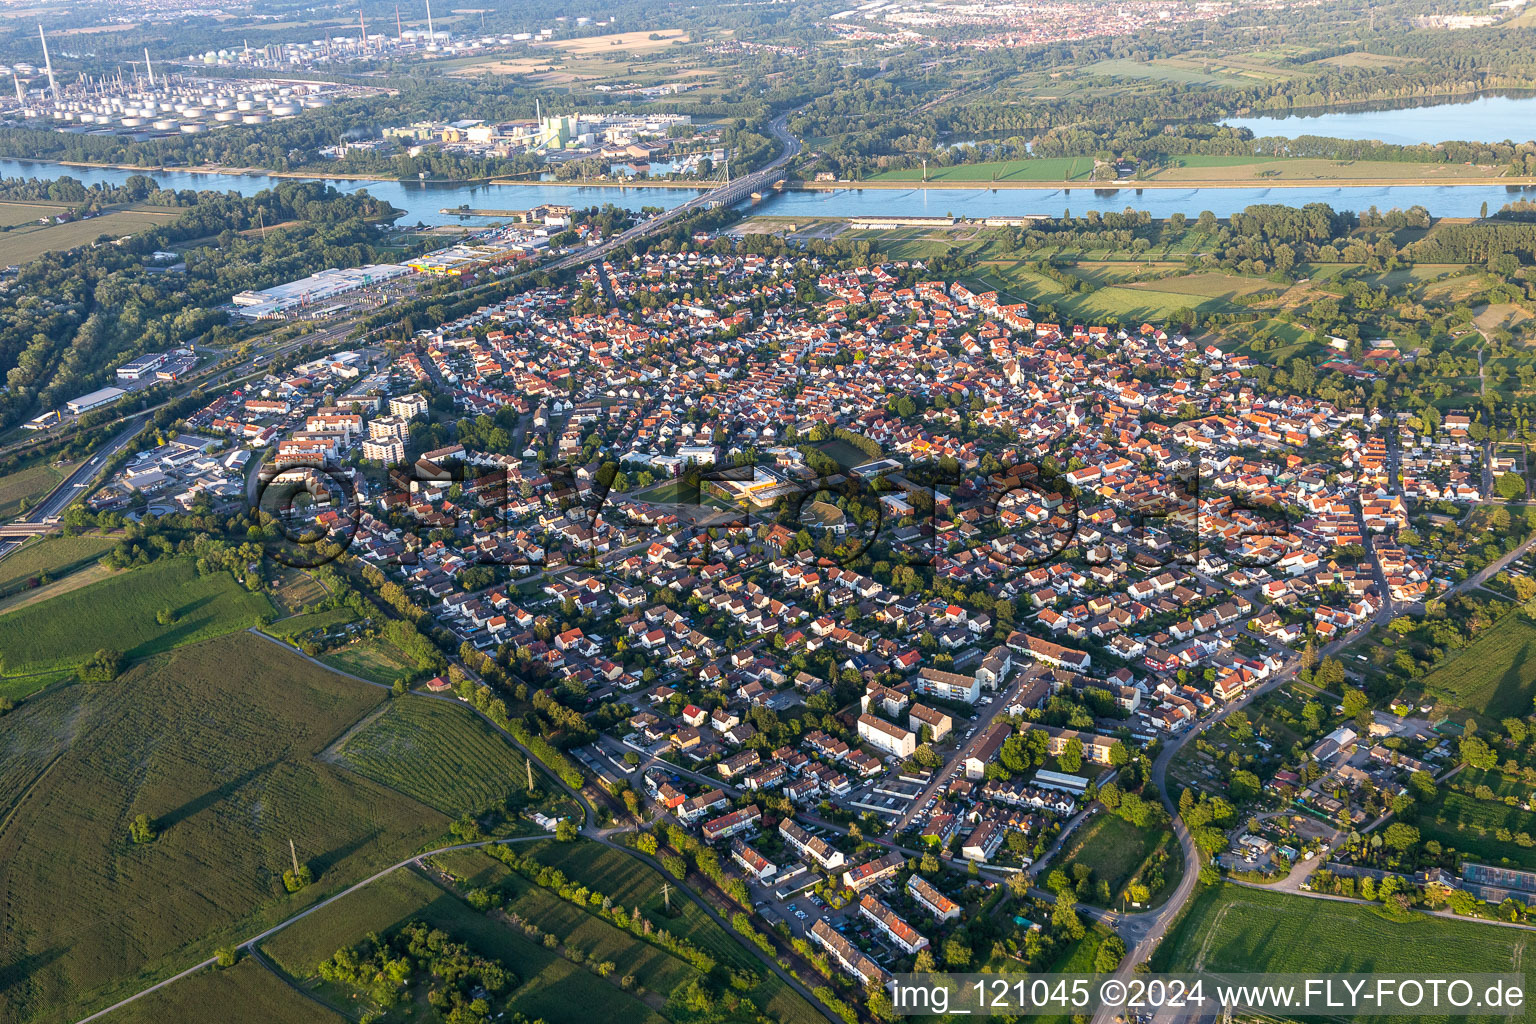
(103, 666)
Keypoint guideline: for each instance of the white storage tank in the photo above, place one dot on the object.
(193, 128)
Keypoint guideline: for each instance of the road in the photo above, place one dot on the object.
(941, 777)
(726, 195)
(74, 485)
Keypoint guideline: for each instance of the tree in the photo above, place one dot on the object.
(1111, 951)
(166, 616)
(103, 666)
(1511, 486)
(142, 830)
(226, 956)
(566, 830)
(1071, 758)
(1401, 837)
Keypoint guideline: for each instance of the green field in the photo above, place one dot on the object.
(439, 753)
(1042, 169)
(1234, 928)
(376, 660)
(120, 613)
(27, 484)
(1154, 300)
(1470, 826)
(1116, 850)
(633, 883)
(1495, 676)
(304, 622)
(551, 987)
(28, 239)
(55, 556)
(246, 993)
(218, 744)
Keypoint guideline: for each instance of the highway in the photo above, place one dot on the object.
(72, 486)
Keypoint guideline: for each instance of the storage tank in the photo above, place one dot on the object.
(133, 122)
(285, 109)
(253, 118)
(162, 125)
(226, 116)
(193, 128)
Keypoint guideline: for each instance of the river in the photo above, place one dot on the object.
(422, 201)
(1482, 118)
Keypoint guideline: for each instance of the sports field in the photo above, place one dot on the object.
(438, 753)
(120, 613)
(218, 744)
(1238, 929)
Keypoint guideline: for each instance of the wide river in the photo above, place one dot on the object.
(1483, 118)
(422, 202)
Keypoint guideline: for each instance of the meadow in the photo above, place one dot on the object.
(53, 556)
(246, 993)
(121, 612)
(1495, 676)
(27, 484)
(1116, 850)
(376, 660)
(217, 743)
(1069, 168)
(438, 753)
(26, 239)
(1234, 928)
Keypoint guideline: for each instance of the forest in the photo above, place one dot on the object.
(68, 318)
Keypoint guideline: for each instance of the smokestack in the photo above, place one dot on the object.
(399, 29)
(362, 27)
(53, 83)
(149, 68)
(20, 96)
(431, 32)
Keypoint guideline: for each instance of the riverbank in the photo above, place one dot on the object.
(1137, 186)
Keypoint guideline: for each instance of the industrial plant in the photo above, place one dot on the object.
(152, 100)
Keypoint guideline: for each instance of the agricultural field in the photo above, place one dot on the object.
(120, 613)
(1240, 168)
(1155, 300)
(226, 766)
(633, 883)
(1495, 676)
(1117, 851)
(246, 993)
(1471, 826)
(51, 556)
(437, 753)
(29, 239)
(1233, 928)
(550, 987)
(27, 484)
